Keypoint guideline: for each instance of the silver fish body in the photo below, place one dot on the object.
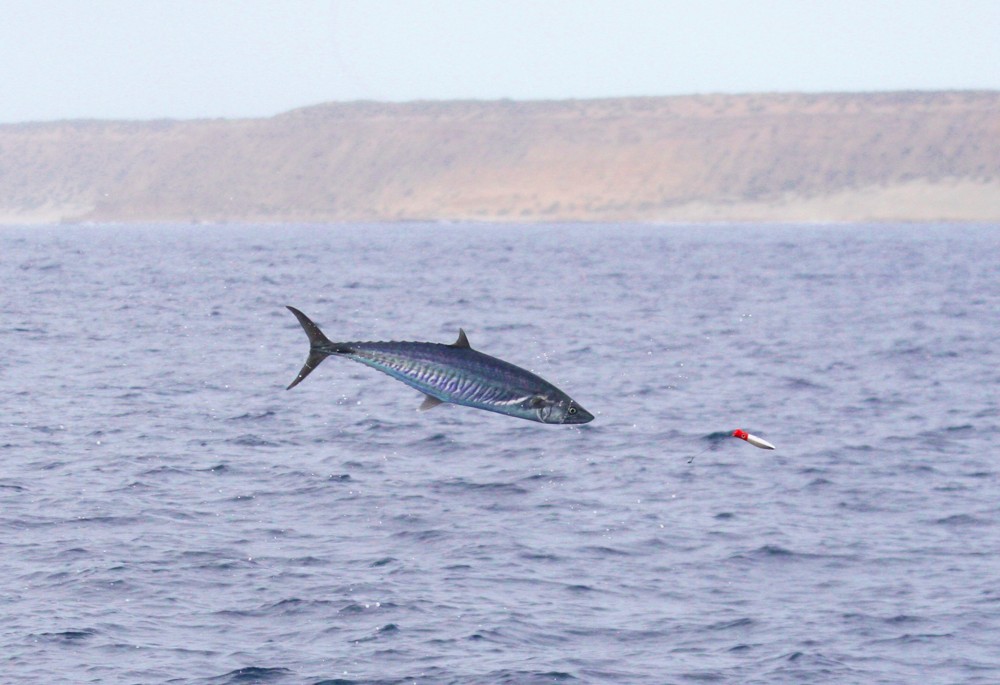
(453, 373)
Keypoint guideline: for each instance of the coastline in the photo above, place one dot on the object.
(871, 157)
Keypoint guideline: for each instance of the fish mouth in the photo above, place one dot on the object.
(581, 416)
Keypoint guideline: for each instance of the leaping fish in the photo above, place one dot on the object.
(453, 373)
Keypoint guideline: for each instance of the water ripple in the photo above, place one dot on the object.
(171, 514)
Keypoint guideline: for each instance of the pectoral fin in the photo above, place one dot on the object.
(430, 402)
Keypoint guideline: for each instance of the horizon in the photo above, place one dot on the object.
(969, 91)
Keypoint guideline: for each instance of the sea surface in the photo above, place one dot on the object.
(169, 513)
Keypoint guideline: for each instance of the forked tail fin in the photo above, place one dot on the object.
(317, 341)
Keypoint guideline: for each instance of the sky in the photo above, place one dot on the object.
(185, 59)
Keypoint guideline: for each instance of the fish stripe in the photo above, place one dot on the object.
(425, 371)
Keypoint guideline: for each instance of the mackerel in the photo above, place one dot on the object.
(454, 373)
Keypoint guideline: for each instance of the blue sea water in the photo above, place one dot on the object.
(170, 514)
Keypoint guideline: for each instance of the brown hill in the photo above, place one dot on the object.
(888, 156)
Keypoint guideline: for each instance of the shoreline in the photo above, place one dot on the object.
(870, 157)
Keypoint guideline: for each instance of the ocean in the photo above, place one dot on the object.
(171, 514)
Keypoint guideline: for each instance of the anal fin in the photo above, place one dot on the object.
(430, 402)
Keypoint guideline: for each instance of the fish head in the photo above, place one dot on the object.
(561, 409)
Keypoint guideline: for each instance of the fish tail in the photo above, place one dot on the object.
(320, 346)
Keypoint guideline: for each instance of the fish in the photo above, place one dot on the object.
(454, 373)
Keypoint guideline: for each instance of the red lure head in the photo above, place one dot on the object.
(741, 434)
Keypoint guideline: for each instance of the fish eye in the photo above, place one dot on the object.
(571, 410)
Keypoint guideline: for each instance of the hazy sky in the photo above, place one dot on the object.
(145, 59)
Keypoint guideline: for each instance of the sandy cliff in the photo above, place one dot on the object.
(891, 156)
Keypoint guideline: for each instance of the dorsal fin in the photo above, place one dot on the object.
(462, 340)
